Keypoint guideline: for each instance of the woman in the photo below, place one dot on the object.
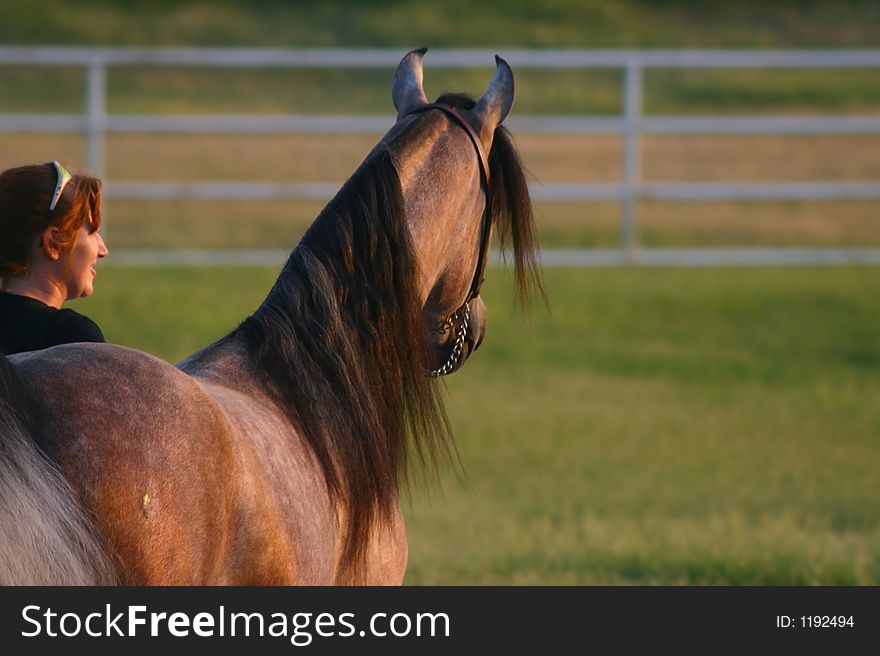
(49, 244)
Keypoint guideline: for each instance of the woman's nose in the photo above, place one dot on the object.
(103, 251)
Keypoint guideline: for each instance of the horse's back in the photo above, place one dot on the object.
(148, 453)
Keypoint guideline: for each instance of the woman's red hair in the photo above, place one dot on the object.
(25, 194)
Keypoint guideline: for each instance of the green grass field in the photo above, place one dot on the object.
(453, 23)
(710, 426)
(404, 24)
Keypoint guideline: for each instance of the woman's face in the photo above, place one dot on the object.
(79, 263)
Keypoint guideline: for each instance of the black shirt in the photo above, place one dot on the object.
(27, 324)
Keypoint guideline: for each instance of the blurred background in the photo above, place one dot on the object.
(677, 424)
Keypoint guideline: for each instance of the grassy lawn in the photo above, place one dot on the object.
(398, 23)
(404, 24)
(657, 426)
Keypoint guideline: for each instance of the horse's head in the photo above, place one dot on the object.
(456, 183)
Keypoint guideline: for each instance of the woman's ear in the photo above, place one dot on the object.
(49, 243)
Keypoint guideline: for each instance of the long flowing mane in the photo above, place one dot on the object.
(339, 341)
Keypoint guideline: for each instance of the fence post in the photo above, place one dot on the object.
(96, 116)
(632, 99)
(96, 119)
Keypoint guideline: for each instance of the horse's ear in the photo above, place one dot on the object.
(495, 104)
(406, 86)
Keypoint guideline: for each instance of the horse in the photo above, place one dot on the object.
(276, 455)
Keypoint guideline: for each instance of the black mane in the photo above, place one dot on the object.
(339, 341)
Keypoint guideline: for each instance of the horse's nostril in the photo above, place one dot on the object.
(474, 341)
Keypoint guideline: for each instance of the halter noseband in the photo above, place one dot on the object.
(463, 310)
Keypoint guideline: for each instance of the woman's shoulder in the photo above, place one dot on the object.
(71, 326)
(27, 324)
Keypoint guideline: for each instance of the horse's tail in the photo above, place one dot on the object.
(45, 536)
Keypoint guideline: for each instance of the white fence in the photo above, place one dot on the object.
(95, 123)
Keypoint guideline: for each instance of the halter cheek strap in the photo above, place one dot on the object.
(462, 314)
(486, 228)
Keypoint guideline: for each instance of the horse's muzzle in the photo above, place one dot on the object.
(477, 326)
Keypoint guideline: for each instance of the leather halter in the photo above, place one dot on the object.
(483, 256)
(485, 230)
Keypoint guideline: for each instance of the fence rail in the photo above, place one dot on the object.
(95, 123)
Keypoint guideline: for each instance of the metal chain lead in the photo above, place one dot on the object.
(459, 341)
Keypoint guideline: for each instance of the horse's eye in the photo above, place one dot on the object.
(444, 331)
